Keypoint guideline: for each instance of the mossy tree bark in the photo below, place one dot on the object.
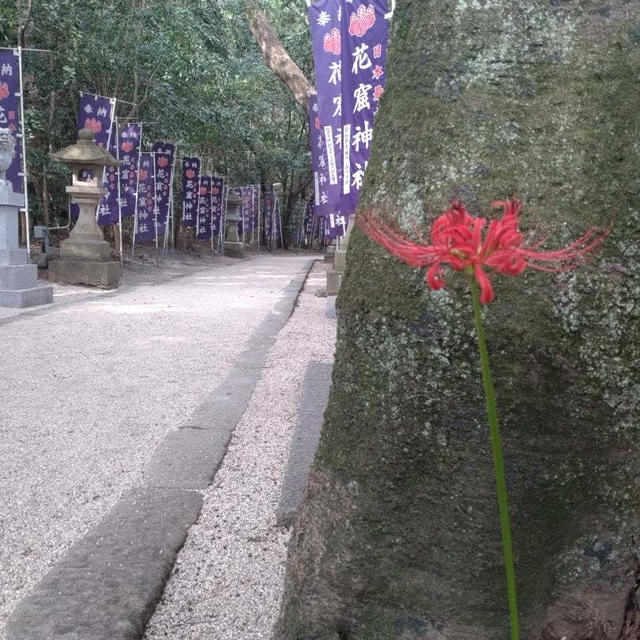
(398, 536)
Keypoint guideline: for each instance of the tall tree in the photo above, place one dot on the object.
(398, 536)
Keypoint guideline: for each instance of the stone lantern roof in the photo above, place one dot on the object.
(85, 152)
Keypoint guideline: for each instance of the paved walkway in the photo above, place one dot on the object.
(91, 388)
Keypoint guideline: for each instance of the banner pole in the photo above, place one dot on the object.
(119, 199)
(27, 221)
(223, 219)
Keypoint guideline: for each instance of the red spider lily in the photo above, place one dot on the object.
(465, 242)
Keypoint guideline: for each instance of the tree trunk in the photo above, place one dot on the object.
(398, 536)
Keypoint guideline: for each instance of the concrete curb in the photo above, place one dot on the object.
(315, 396)
(108, 584)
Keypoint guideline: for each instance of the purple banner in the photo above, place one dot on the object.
(318, 158)
(96, 113)
(129, 149)
(247, 208)
(204, 209)
(190, 190)
(165, 155)
(268, 214)
(326, 36)
(255, 214)
(146, 204)
(10, 95)
(217, 203)
(108, 209)
(365, 32)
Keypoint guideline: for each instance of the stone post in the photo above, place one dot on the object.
(334, 275)
(18, 279)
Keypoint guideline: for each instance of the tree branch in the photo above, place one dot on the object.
(276, 56)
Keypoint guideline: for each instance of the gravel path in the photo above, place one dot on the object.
(90, 388)
(227, 582)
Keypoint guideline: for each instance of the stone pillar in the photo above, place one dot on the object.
(18, 279)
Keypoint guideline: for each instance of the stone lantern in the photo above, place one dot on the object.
(232, 244)
(18, 279)
(85, 257)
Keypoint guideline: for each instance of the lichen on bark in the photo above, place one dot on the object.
(486, 98)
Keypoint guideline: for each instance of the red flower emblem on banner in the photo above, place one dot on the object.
(190, 173)
(94, 124)
(12, 127)
(4, 90)
(362, 20)
(215, 191)
(203, 191)
(163, 161)
(317, 123)
(333, 42)
(142, 175)
(127, 146)
(378, 90)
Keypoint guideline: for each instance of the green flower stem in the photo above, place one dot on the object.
(501, 485)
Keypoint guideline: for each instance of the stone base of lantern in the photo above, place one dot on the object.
(234, 249)
(85, 259)
(88, 272)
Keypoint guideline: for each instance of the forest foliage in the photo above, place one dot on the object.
(192, 69)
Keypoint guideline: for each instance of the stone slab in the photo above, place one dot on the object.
(107, 586)
(21, 298)
(188, 458)
(96, 274)
(315, 396)
(329, 257)
(334, 279)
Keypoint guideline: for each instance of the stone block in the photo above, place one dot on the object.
(333, 282)
(315, 395)
(21, 298)
(91, 250)
(19, 276)
(329, 257)
(95, 274)
(234, 249)
(13, 256)
(340, 260)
